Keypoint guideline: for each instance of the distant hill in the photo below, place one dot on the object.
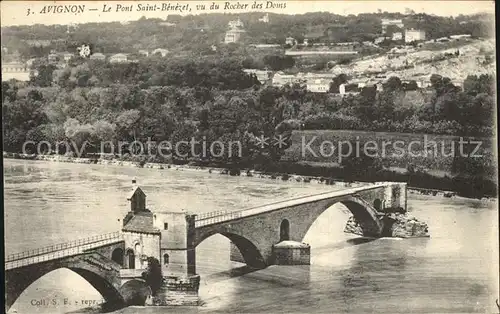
(180, 33)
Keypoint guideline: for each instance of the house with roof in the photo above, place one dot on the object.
(159, 51)
(280, 79)
(118, 58)
(143, 53)
(67, 56)
(318, 86)
(37, 42)
(98, 56)
(290, 41)
(261, 75)
(264, 19)
(236, 24)
(15, 70)
(234, 34)
(390, 22)
(412, 35)
(397, 36)
(53, 57)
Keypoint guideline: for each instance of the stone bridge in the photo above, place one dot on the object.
(97, 259)
(254, 231)
(113, 264)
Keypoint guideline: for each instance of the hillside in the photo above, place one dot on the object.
(198, 32)
(475, 57)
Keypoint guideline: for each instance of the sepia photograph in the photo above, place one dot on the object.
(250, 157)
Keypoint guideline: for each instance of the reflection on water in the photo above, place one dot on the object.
(453, 271)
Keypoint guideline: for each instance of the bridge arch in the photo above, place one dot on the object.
(364, 213)
(135, 292)
(247, 248)
(18, 280)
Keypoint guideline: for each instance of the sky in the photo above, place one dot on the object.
(16, 12)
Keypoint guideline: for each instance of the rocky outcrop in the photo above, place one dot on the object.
(396, 225)
(405, 226)
(353, 226)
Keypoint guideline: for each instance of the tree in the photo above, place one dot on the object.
(412, 85)
(127, 123)
(278, 63)
(80, 135)
(393, 83)
(153, 275)
(336, 82)
(44, 76)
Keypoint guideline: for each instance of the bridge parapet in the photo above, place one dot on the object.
(393, 195)
(63, 246)
(39, 256)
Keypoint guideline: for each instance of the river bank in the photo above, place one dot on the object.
(222, 171)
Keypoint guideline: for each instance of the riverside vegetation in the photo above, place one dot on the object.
(206, 95)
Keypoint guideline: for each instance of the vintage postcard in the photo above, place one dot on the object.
(250, 157)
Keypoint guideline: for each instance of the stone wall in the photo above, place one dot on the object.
(149, 246)
(178, 291)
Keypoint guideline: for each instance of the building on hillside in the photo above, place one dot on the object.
(379, 40)
(318, 86)
(263, 76)
(306, 42)
(118, 58)
(15, 70)
(322, 75)
(52, 57)
(68, 56)
(290, 41)
(233, 35)
(236, 24)
(37, 43)
(348, 89)
(143, 53)
(265, 46)
(14, 67)
(412, 35)
(30, 62)
(462, 36)
(388, 22)
(280, 79)
(264, 19)
(235, 32)
(159, 51)
(442, 40)
(397, 36)
(98, 56)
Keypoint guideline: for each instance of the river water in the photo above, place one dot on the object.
(455, 270)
